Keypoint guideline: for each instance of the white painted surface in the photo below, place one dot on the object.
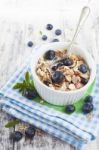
(13, 51)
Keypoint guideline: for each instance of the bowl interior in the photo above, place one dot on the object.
(59, 46)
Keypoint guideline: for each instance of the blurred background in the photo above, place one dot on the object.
(21, 8)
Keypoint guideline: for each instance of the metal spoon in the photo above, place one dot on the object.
(83, 16)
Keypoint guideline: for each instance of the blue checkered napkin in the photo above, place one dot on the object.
(63, 126)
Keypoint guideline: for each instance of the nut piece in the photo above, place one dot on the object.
(72, 86)
(63, 87)
(73, 77)
(76, 79)
(68, 78)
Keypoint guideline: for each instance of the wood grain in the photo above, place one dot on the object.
(13, 52)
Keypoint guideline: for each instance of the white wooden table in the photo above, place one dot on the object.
(13, 52)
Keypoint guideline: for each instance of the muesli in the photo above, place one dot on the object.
(70, 72)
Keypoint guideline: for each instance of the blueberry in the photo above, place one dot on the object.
(55, 40)
(87, 107)
(30, 93)
(84, 81)
(30, 132)
(57, 77)
(49, 27)
(83, 68)
(67, 61)
(70, 108)
(30, 43)
(54, 68)
(46, 82)
(49, 55)
(89, 99)
(58, 32)
(44, 37)
(16, 136)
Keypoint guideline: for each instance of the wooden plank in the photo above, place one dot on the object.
(15, 52)
(5, 143)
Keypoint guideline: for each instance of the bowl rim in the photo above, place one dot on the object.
(35, 77)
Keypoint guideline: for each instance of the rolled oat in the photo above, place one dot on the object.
(72, 75)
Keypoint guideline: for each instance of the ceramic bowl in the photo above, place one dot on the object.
(57, 97)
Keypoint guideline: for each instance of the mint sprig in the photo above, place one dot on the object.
(12, 123)
(25, 84)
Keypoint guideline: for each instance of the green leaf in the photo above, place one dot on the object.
(27, 77)
(40, 32)
(18, 86)
(26, 83)
(12, 123)
(32, 84)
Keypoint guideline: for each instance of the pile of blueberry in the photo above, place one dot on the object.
(86, 108)
(29, 134)
(44, 37)
(57, 31)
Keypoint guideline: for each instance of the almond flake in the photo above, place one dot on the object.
(71, 86)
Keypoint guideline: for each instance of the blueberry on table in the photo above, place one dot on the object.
(58, 32)
(83, 68)
(30, 43)
(88, 99)
(67, 61)
(44, 37)
(87, 107)
(57, 77)
(30, 93)
(55, 40)
(70, 109)
(84, 81)
(30, 132)
(49, 55)
(16, 136)
(49, 26)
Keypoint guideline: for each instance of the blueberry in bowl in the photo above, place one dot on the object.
(83, 68)
(66, 84)
(49, 55)
(57, 77)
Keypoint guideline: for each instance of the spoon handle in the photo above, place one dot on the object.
(83, 16)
